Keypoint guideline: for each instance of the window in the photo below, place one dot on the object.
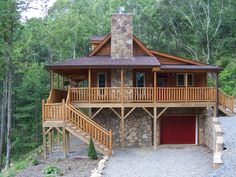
(180, 79)
(102, 80)
(161, 81)
(190, 79)
(140, 79)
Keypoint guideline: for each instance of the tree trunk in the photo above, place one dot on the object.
(3, 119)
(9, 118)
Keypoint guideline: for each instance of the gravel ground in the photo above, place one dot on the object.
(172, 161)
(228, 169)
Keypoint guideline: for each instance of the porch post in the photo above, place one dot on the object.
(155, 87)
(44, 144)
(62, 82)
(57, 81)
(216, 110)
(51, 79)
(155, 127)
(122, 109)
(89, 84)
(186, 86)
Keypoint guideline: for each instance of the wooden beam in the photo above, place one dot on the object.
(62, 82)
(96, 112)
(155, 128)
(163, 110)
(58, 82)
(67, 142)
(217, 95)
(122, 128)
(186, 86)
(145, 109)
(129, 112)
(44, 144)
(51, 80)
(50, 141)
(64, 141)
(116, 112)
(156, 69)
(58, 136)
(89, 85)
(48, 130)
(155, 87)
(122, 85)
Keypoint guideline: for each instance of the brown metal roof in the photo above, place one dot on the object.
(97, 38)
(107, 62)
(190, 67)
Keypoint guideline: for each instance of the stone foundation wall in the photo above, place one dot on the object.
(138, 129)
(139, 125)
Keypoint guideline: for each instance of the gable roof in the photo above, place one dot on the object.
(171, 57)
(108, 37)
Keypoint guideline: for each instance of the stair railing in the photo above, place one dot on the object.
(85, 124)
(226, 101)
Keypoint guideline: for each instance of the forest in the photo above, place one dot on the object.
(201, 30)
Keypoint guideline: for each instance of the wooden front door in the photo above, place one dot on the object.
(178, 130)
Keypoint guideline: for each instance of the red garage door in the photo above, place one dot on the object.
(178, 129)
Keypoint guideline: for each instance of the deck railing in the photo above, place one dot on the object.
(201, 94)
(226, 101)
(142, 94)
(67, 113)
(173, 94)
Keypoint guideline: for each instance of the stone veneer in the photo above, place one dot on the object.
(115, 78)
(139, 125)
(121, 36)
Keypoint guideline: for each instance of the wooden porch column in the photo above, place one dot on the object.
(155, 127)
(155, 87)
(216, 109)
(122, 109)
(67, 142)
(122, 128)
(186, 86)
(51, 79)
(62, 83)
(64, 141)
(50, 141)
(58, 81)
(89, 85)
(44, 144)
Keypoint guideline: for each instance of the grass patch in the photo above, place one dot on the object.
(22, 163)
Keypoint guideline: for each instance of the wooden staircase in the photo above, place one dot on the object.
(73, 120)
(81, 126)
(226, 104)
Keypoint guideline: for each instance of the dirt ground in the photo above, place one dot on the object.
(76, 165)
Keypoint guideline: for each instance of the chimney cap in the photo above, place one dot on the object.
(121, 9)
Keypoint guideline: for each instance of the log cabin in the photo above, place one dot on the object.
(124, 94)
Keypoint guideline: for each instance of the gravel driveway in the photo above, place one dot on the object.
(172, 161)
(176, 161)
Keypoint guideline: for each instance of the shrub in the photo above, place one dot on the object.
(35, 162)
(52, 170)
(91, 150)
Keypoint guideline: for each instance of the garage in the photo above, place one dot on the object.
(178, 130)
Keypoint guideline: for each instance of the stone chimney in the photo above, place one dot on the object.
(121, 36)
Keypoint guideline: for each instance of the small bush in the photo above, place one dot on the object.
(91, 150)
(35, 162)
(52, 170)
